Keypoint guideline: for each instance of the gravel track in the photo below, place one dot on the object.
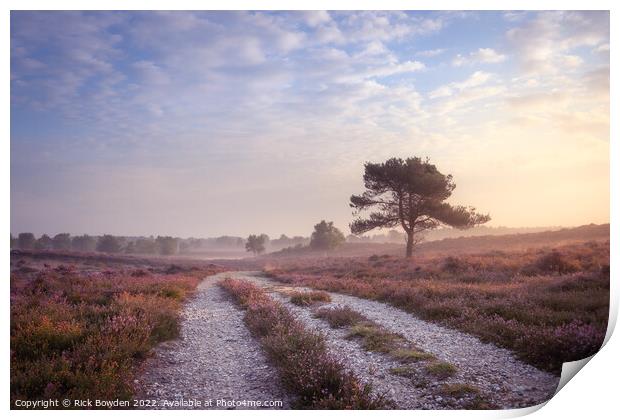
(506, 381)
(215, 358)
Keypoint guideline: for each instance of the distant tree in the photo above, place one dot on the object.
(61, 241)
(130, 248)
(228, 242)
(145, 246)
(256, 243)
(395, 236)
(184, 246)
(410, 193)
(167, 245)
(25, 240)
(44, 243)
(83, 243)
(13, 241)
(326, 236)
(109, 243)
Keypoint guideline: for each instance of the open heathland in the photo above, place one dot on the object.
(548, 305)
(81, 334)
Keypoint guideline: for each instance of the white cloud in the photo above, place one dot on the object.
(477, 78)
(571, 61)
(431, 53)
(543, 43)
(482, 55)
(150, 73)
(314, 18)
(441, 92)
(602, 48)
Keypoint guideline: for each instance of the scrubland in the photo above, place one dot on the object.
(80, 333)
(548, 305)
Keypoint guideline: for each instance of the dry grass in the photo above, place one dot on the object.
(339, 317)
(376, 338)
(459, 390)
(308, 298)
(407, 355)
(441, 370)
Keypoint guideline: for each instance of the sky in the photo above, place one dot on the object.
(199, 124)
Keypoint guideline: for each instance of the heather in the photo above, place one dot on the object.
(308, 298)
(80, 335)
(548, 305)
(306, 369)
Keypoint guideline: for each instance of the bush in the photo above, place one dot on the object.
(555, 262)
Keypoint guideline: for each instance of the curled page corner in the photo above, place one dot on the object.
(569, 370)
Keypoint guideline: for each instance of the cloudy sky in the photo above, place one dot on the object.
(204, 123)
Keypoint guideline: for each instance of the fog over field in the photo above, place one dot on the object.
(201, 124)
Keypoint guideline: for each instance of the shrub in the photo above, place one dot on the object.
(555, 262)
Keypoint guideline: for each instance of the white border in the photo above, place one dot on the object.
(592, 394)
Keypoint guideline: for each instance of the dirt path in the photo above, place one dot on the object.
(506, 381)
(216, 358)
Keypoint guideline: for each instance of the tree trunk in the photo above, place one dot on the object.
(409, 244)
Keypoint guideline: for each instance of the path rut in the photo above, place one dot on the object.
(215, 358)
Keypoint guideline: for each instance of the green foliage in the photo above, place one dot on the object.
(326, 236)
(25, 240)
(109, 243)
(83, 243)
(167, 245)
(410, 194)
(62, 241)
(256, 243)
(44, 243)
